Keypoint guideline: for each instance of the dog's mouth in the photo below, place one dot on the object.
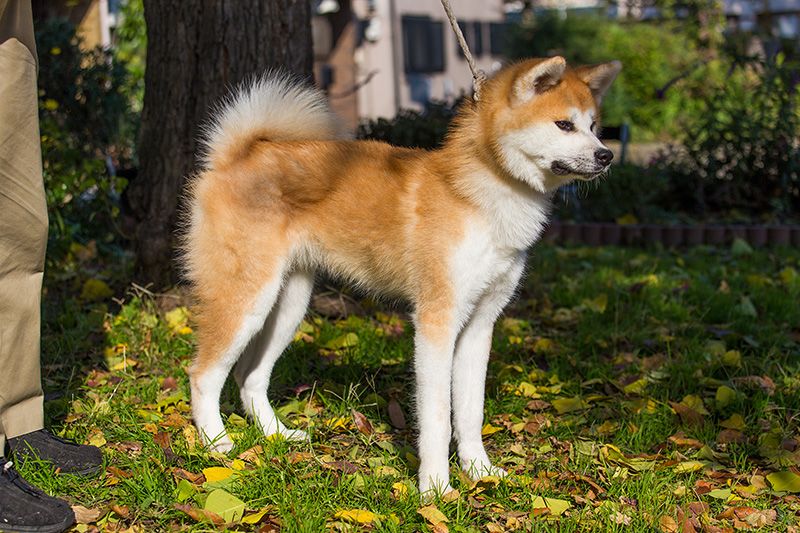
(559, 168)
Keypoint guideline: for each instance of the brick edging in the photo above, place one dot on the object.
(602, 233)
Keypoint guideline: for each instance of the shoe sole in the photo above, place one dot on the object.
(52, 528)
(90, 471)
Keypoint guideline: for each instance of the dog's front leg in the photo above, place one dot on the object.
(469, 373)
(469, 378)
(433, 361)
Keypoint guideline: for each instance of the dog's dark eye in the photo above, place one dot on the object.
(565, 125)
(593, 126)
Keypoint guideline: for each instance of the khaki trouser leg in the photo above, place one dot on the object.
(23, 225)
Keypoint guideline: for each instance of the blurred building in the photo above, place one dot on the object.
(94, 19)
(375, 57)
(778, 18)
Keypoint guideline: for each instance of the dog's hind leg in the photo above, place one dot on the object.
(254, 369)
(228, 319)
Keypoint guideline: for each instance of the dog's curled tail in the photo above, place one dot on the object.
(273, 107)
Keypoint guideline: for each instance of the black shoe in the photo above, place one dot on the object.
(67, 456)
(26, 509)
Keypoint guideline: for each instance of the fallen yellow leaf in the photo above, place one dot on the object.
(217, 473)
(357, 516)
(568, 405)
(489, 429)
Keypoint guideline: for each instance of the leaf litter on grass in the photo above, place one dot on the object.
(626, 390)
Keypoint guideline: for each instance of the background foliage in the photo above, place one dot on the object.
(652, 55)
(741, 152)
(85, 120)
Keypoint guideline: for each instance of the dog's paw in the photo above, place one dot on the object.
(295, 434)
(427, 495)
(431, 485)
(479, 469)
(221, 445)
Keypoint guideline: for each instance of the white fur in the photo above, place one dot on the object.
(275, 107)
(529, 152)
(254, 369)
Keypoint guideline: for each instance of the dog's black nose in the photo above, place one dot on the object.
(604, 156)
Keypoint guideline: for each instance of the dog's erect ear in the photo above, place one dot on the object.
(540, 78)
(599, 77)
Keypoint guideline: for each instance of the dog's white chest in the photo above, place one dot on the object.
(481, 264)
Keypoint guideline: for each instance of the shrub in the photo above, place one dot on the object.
(412, 129)
(741, 152)
(130, 50)
(81, 111)
(628, 190)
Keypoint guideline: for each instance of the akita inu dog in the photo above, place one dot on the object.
(282, 195)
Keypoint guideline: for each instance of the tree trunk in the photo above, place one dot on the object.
(197, 50)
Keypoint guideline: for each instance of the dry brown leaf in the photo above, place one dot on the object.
(169, 383)
(174, 420)
(201, 515)
(84, 515)
(252, 455)
(342, 466)
(764, 383)
(180, 473)
(536, 422)
(668, 524)
(362, 423)
(726, 436)
(131, 448)
(299, 457)
(738, 512)
(621, 519)
(703, 487)
(762, 518)
(698, 508)
(689, 416)
(396, 416)
(122, 511)
(432, 515)
(451, 495)
(164, 441)
(538, 405)
(680, 440)
(684, 522)
(118, 472)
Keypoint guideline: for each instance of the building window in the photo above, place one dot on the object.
(477, 39)
(498, 37)
(473, 34)
(423, 44)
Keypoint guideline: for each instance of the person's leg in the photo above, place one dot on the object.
(23, 225)
(23, 239)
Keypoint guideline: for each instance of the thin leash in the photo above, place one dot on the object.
(478, 76)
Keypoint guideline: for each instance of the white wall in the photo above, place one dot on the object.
(382, 96)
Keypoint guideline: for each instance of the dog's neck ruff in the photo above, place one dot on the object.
(516, 212)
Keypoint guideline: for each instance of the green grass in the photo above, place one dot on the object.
(621, 335)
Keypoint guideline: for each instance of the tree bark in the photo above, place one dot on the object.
(197, 50)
